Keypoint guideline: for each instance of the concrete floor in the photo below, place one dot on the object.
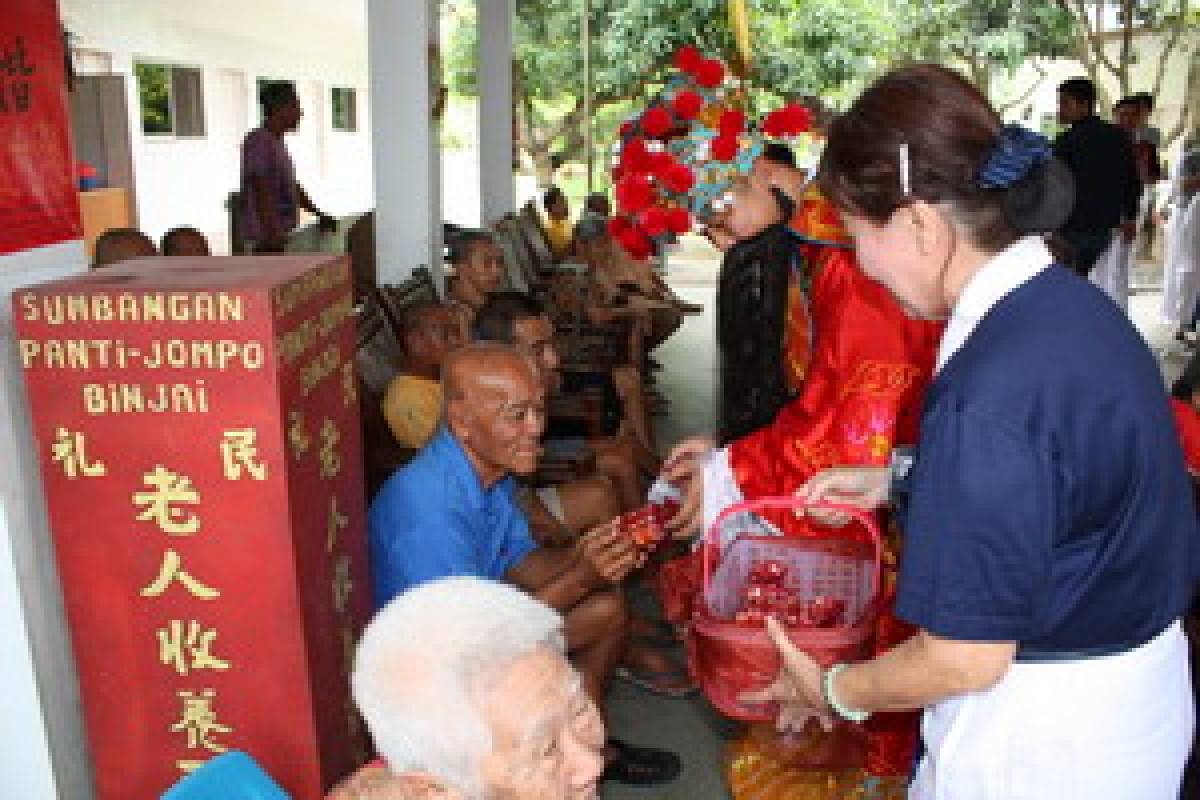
(690, 727)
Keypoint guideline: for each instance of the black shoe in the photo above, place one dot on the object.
(640, 766)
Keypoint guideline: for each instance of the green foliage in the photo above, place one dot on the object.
(830, 48)
(154, 94)
(984, 35)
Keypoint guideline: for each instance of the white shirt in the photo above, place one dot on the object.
(1004, 272)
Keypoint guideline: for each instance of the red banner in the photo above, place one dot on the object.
(39, 201)
(198, 431)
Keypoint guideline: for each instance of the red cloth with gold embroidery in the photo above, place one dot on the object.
(859, 386)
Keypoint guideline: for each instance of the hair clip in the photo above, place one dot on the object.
(905, 170)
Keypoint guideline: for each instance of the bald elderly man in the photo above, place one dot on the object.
(452, 511)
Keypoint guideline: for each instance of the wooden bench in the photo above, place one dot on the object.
(379, 351)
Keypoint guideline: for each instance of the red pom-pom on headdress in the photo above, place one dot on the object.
(657, 122)
(687, 105)
(710, 73)
(732, 122)
(636, 243)
(653, 221)
(618, 226)
(678, 179)
(635, 158)
(791, 120)
(678, 220)
(724, 148)
(634, 193)
(688, 59)
(661, 164)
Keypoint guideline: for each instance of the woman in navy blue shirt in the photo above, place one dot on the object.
(1051, 542)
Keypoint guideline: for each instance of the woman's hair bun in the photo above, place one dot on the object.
(1042, 199)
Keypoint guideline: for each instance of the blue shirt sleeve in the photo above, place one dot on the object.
(412, 544)
(979, 528)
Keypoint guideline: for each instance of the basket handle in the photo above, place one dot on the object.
(712, 543)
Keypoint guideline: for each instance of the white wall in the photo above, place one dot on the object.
(42, 749)
(316, 44)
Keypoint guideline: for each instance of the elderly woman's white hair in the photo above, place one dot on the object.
(423, 660)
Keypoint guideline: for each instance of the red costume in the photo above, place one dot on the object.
(860, 367)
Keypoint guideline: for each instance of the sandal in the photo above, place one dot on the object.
(640, 766)
(653, 682)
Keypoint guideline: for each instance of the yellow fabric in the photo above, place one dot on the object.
(560, 234)
(754, 774)
(412, 407)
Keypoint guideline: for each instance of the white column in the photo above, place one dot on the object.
(497, 194)
(407, 155)
(43, 752)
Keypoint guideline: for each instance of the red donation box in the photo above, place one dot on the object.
(198, 431)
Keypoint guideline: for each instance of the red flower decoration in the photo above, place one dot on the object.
(679, 220)
(710, 73)
(724, 148)
(661, 164)
(687, 105)
(791, 120)
(636, 243)
(657, 122)
(678, 179)
(635, 158)
(653, 221)
(617, 226)
(800, 118)
(634, 193)
(625, 129)
(731, 123)
(775, 124)
(688, 59)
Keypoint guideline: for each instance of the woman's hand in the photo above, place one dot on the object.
(796, 689)
(865, 488)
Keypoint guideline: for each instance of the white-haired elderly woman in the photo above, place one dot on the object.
(468, 694)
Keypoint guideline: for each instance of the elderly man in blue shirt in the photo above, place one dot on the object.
(452, 511)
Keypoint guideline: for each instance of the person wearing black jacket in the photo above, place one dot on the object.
(1107, 187)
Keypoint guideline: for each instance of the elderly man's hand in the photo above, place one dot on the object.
(607, 554)
(796, 689)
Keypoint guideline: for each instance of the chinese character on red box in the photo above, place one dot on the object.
(198, 431)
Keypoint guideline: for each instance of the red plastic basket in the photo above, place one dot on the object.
(728, 658)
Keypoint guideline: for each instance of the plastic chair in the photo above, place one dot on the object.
(230, 776)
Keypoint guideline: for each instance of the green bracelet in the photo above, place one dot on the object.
(831, 701)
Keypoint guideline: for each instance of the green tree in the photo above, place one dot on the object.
(985, 38)
(800, 47)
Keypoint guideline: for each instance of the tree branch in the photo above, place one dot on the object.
(1092, 41)
(1169, 48)
(1028, 92)
(1082, 51)
(1191, 99)
(1127, 8)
